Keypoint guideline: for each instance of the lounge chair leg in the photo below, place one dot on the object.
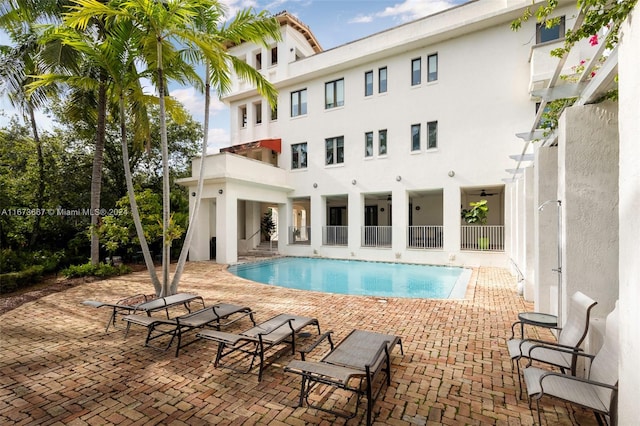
(538, 410)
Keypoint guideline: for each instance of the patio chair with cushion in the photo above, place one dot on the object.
(570, 336)
(124, 306)
(354, 365)
(180, 325)
(254, 342)
(598, 391)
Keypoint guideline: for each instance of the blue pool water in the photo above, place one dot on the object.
(358, 277)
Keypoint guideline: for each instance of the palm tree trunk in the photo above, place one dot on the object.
(40, 192)
(144, 246)
(190, 230)
(96, 173)
(166, 212)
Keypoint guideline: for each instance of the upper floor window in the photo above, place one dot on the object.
(382, 80)
(258, 112)
(334, 94)
(415, 137)
(432, 134)
(258, 61)
(416, 71)
(242, 112)
(432, 67)
(368, 83)
(544, 34)
(274, 55)
(368, 144)
(382, 142)
(274, 113)
(299, 156)
(334, 150)
(299, 102)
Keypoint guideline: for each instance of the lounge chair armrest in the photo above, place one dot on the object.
(383, 348)
(127, 300)
(576, 379)
(323, 336)
(561, 348)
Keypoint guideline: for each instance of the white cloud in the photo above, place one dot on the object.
(218, 138)
(193, 102)
(408, 10)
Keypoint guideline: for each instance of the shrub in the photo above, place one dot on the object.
(101, 270)
(15, 280)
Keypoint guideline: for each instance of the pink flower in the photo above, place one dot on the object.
(593, 74)
(593, 40)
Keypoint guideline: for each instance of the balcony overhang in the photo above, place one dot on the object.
(272, 144)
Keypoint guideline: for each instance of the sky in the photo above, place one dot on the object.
(333, 22)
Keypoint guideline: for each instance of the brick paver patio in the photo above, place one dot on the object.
(57, 366)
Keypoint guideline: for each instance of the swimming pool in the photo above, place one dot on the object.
(359, 277)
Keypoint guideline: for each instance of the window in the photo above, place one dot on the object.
(368, 83)
(334, 150)
(368, 144)
(299, 103)
(274, 113)
(274, 55)
(299, 156)
(432, 134)
(258, 61)
(382, 142)
(243, 116)
(258, 112)
(432, 67)
(382, 80)
(415, 137)
(334, 94)
(544, 34)
(416, 71)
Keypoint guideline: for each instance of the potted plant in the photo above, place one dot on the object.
(477, 213)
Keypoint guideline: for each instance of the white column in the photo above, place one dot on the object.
(452, 201)
(588, 189)
(546, 230)
(199, 249)
(226, 228)
(528, 229)
(629, 107)
(400, 219)
(356, 219)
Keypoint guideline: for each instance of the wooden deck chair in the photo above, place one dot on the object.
(570, 336)
(598, 391)
(211, 316)
(353, 365)
(254, 342)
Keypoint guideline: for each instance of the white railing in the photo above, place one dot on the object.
(299, 235)
(482, 238)
(376, 236)
(335, 235)
(424, 236)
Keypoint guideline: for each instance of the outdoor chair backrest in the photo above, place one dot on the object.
(575, 328)
(604, 367)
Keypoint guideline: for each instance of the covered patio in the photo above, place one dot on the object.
(58, 365)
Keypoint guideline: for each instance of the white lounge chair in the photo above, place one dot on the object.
(596, 392)
(570, 337)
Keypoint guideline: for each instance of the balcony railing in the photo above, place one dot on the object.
(299, 235)
(335, 235)
(376, 236)
(482, 238)
(425, 237)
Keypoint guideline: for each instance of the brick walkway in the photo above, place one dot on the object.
(57, 366)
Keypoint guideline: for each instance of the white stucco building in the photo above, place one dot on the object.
(377, 145)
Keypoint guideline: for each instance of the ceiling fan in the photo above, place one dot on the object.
(484, 193)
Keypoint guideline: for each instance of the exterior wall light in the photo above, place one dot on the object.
(451, 173)
(220, 191)
(315, 185)
(353, 182)
(193, 194)
(398, 178)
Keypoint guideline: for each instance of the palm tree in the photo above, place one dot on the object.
(246, 26)
(17, 65)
